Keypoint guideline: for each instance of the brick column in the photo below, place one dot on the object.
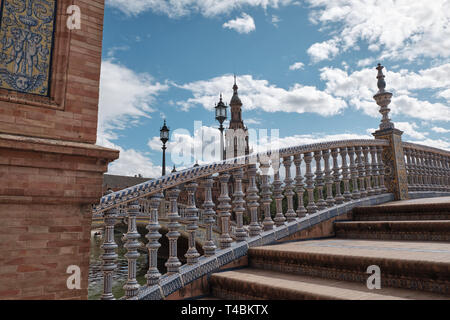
(51, 171)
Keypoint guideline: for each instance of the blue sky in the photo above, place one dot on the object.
(304, 68)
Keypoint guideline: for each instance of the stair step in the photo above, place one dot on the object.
(404, 264)
(252, 283)
(431, 230)
(438, 211)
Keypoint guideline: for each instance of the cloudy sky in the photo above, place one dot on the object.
(305, 70)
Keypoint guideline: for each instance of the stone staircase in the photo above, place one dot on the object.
(410, 244)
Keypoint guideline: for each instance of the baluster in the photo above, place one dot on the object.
(109, 255)
(354, 173)
(381, 169)
(446, 173)
(407, 153)
(238, 202)
(435, 171)
(289, 190)
(361, 172)
(311, 207)
(413, 186)
(252, 202)
(299, 186)
(375, 173)
(337, 177)
(224, 211)
(369, 174)
(266, 195)
(328, 178)
(421, 170)
(131, 287)
(417, 170)
(173, 263)
(424, 171)
(345, 175)
(278, 193)
(430, 170)
(442, 172)
(192, 220)
(321, 204)
(209, 247)
(153, 244)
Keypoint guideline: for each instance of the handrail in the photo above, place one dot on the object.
(420, 147)
(174, 179)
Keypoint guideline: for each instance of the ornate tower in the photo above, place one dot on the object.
(236, 137)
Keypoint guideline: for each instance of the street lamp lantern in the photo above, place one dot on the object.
(221, 116)
(164, 136)
(221, 111)
(164, 133)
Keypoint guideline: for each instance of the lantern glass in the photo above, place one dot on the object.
(217, 112)
(164, 134)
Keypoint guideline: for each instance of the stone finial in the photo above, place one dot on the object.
(383, 99)
(381, 83)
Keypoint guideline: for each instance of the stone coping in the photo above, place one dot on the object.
(207, 265)
(56, 146)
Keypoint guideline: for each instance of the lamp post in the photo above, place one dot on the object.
(164, 136)
(221, 116)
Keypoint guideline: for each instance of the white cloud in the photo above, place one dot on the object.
(409, 129)
(275, 20)
(439, 143)
(179, 8)
(440, 130)
(244, 24)
(298, 140)
(445, 94)
(252, 121)
(131, 162)
(297, 66)
(359, 87)
(125, 96)
(399, 29)
(323, 50)
(184, 149)
(260, 94)
(365, 62)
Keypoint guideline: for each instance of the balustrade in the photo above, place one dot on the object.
(427, 168)
(356, 171)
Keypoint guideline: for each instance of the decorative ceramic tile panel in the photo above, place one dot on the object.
(26, 43)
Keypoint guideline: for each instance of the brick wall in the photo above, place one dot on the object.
(70, 113)
(51, 171)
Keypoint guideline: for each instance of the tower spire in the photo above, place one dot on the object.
(235, 87)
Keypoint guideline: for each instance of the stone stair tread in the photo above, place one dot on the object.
(319, 288)
(415, 224)
(402, 251)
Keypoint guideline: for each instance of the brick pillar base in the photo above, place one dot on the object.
(46, 194)
(396, 179)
